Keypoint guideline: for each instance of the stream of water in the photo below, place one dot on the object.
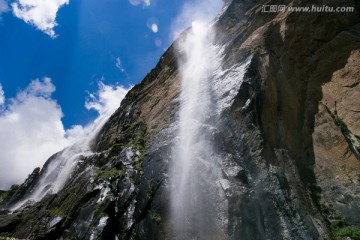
(195, 169)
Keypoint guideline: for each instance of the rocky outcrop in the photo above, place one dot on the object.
(288, 142)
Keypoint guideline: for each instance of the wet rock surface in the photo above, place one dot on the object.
(287, 140)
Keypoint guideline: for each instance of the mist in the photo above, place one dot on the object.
(195, 168)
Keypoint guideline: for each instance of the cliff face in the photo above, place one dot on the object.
(289, 141)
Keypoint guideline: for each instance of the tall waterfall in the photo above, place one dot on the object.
(195, 171)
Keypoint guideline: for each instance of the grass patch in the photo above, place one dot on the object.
(343, 233)
(340, 229)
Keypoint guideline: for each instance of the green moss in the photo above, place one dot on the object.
(100, 211)
(8, 194)
(134, 91)
(109, 174)
(132, 180)
(340, 123)
(155, 217)
(4, 195)
(138, 165)
(18, 218)
(131, 126)
(339, 227)
(55, 212)
(341, 233)
(337, 221)
(117, 145)
(254, 49)
(325, 209)
(66, 205)
(14, 188)
(100, 207)
(132, 136)
(137, 143)
(166, 68)
(61, 211)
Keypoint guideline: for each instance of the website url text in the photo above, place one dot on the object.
(307, 9)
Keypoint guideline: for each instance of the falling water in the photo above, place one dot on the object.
(195, 170)
(57, 171)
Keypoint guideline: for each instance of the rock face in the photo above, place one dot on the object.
(336, 144)
(289, 141)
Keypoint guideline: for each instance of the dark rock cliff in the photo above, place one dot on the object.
(289, 142)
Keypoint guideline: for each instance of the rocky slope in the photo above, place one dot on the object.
(289, 141)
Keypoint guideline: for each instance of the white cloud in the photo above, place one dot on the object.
(37, 88)
(2, 96)
(198, 10)
(3, 7)
(31, 129)
(39, 13)
(107, 100)
(104, 102)
(119, 64)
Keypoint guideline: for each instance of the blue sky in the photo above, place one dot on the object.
(64, 63)
(92, 34)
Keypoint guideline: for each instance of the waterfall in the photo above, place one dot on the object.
(195, 169)
(57, 171)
